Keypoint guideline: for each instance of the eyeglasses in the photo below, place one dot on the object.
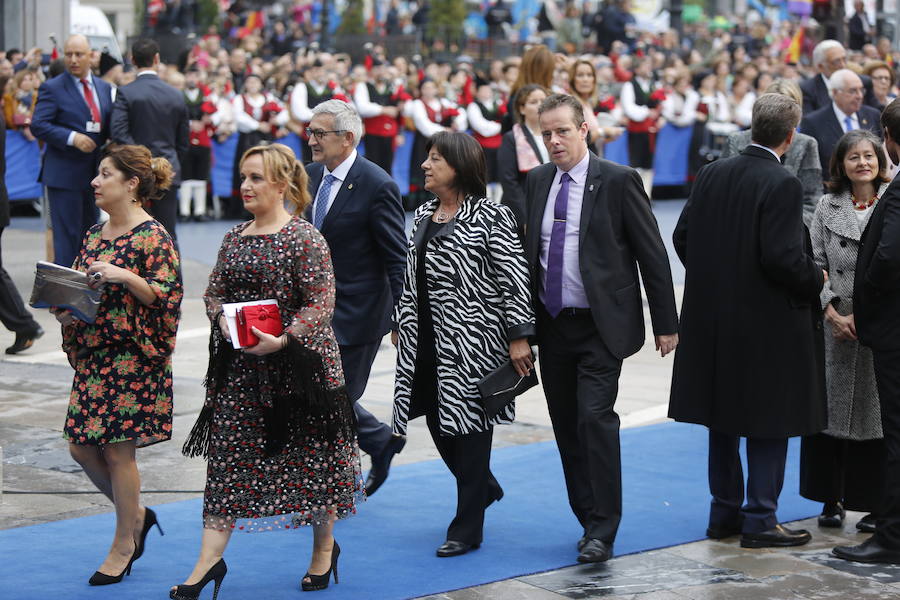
(320, 133)
(882, 78)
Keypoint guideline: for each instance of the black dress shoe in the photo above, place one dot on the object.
(867, 524)
(832, 515)
(720, 532)
(869, 551)
(584, 540)
(496, 496)
(595, 551)
(381, 464)
(24, 340)
(777, 537)
(454, 548)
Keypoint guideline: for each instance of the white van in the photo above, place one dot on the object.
(93, 24)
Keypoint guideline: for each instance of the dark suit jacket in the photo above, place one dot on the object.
(815, 93)
(876, 290)
(4, 198)
(365, 229)
(823, 125)
(750, 356)
(618, 233)
(512, 180)
(59, 111)
(152, 113)
(856, 30)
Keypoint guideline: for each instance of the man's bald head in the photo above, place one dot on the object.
(78, 55)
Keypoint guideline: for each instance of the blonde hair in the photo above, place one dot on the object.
(281, 166)
(788, 88)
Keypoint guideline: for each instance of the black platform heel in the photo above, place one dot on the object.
(192, 592)
(99, 578)
(320, 582)
(149, 521)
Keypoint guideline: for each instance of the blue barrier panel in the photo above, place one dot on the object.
(23, 165)
(400, 168)
(292, 141)
(670, 161)
(223, 166)
(617, 150)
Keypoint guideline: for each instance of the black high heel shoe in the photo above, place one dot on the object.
(320, 582)
(99, 578)
(192, 592)
(149, 522)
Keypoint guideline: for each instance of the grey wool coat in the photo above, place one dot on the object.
(801, 160)
(854, 412)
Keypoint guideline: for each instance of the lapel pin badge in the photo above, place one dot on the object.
(350, 187)
(591, 188)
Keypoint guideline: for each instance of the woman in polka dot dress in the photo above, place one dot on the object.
(277, 426)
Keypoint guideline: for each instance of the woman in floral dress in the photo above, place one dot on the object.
(277, 426)
(122, 392)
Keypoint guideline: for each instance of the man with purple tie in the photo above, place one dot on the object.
(72, 119)
(589, 228)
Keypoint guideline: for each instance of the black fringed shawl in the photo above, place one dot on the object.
(294, 395)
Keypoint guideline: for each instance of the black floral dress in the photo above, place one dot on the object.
(278, 430)
(122, 388)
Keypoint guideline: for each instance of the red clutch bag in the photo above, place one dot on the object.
(264, 317)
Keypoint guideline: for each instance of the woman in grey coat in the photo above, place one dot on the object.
(843, 466)
(801, 159)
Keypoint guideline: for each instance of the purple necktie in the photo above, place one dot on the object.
(553, 289)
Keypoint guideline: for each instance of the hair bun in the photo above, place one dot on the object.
(162, 172)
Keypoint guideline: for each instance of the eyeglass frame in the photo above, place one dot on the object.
(320, 133)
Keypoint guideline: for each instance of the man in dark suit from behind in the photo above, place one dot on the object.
(876, 308)
(13, 313)
(357, 208)
(152, 113)
(589, 228)
(828, 56)
(750, 362)
(844, 113)
(72, 118)
(858, 27)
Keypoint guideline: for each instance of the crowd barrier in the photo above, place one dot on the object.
(23, 160)
(670, 158)
(23, 165)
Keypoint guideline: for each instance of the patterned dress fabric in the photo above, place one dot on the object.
(122, 388)
(480, 299)
(313, 476)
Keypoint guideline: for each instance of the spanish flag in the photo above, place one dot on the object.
(795, 48)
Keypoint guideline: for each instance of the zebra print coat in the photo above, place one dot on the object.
(480, 299)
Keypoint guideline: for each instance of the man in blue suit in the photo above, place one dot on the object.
(72, 118)
(357, 208)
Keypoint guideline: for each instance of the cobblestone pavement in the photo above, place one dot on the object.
(33, 396)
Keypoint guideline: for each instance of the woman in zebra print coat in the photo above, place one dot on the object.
(465, 310)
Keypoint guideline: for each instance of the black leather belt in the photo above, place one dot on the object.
(576, 312)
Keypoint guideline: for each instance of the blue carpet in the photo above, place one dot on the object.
(388, 548)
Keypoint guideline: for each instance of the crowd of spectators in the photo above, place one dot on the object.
(259, 75)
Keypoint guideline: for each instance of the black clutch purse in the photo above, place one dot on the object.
(501, 386)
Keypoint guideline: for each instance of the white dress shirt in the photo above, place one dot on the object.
(842, 118)
(573, 295)
(340, 174)
(90, 79)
